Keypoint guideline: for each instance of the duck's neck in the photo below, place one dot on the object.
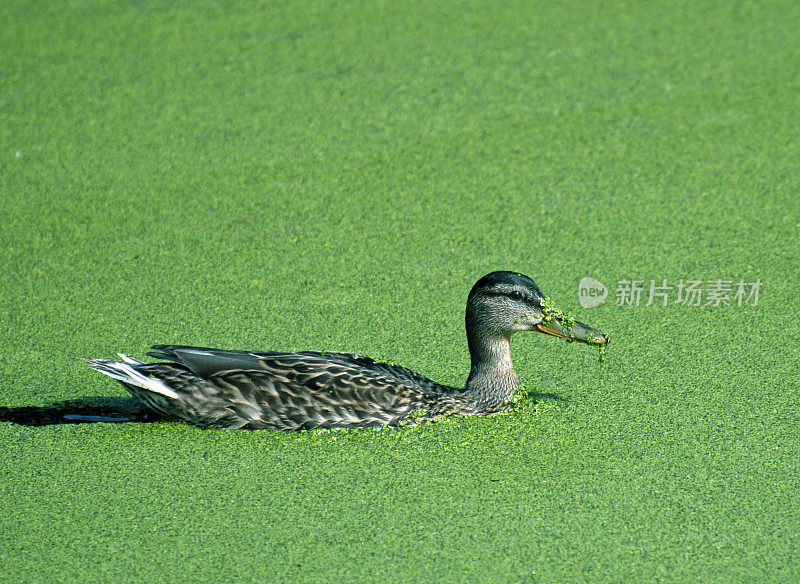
(492, 379)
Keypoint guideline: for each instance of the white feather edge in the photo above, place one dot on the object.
(129, 360)
(124, 372)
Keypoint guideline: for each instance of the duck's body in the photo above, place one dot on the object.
(287, 391)
(292, 391)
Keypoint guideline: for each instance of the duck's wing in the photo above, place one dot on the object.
(205, 362)
(313, 369)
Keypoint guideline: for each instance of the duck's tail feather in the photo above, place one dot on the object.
(125, 372)
(129, 360)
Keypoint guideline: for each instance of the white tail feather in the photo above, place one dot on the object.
(125, 372)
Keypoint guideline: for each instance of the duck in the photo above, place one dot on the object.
(328, 389)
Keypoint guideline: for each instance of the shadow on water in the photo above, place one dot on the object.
(116, 410)
(81, 411)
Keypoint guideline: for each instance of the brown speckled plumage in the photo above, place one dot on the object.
(292, 391)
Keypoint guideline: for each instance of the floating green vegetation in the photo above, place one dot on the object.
(414, 417)
(551, 311)
(601, 349)
(601, 355)
(417, 415)
(520, 395)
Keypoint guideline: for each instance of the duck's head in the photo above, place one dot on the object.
(503, 303)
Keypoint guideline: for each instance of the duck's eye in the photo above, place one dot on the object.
(515, 295)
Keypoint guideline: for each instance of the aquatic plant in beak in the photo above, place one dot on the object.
(551, 311)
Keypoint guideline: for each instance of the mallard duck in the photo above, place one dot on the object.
(311, 389)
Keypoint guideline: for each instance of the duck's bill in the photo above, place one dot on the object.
(577, 332)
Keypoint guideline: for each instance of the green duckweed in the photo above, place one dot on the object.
(520, 395)
(551, 311)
